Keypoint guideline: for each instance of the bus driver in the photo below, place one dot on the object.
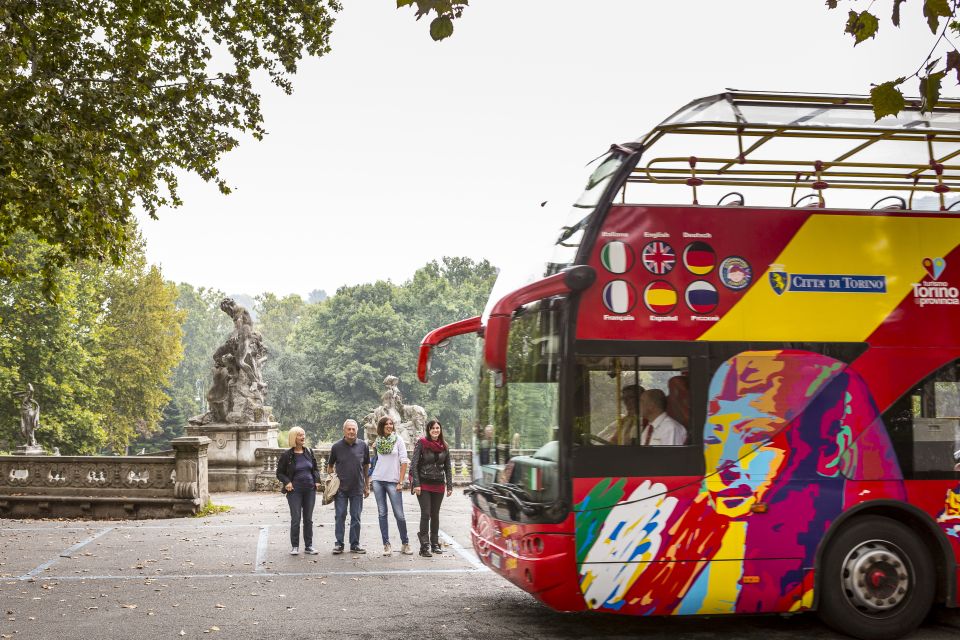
(660, 428)
(625, 428)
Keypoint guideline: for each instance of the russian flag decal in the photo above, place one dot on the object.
(701, 297)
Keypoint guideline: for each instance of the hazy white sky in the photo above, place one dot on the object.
(395, 150)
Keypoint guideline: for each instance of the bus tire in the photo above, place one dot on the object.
(877, 580)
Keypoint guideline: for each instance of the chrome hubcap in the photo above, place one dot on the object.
(876, 576)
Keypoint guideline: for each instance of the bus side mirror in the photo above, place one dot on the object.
(497, 334)
(438, 338)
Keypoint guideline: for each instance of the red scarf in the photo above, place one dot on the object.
(433, 445)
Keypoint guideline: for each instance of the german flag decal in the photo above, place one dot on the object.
(660, 297)
(701, 297)
(699, 258)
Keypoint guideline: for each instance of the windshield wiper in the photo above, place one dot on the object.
(507, 493)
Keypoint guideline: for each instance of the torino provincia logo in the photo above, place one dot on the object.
(933, 291)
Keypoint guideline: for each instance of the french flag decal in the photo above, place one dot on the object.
(619, 296)
(701, 297)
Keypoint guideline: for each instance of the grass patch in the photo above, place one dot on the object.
(211, 509)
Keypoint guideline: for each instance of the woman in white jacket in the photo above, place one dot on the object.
(387, 480)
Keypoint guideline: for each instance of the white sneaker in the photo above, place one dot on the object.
(406, 550)
(295, 551)
(310, 551)
(387, 550)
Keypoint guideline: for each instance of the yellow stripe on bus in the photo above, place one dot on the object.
(838, 245)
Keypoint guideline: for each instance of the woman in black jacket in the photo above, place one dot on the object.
(432, 477)
(299, 476)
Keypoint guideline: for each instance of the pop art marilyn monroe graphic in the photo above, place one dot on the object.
(786, 429)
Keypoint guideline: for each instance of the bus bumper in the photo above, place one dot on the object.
(540, 559)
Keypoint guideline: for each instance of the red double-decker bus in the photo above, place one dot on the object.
(734, 385)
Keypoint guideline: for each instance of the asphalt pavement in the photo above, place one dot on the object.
(231, 575)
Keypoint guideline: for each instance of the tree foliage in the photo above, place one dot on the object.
(99, 358)
(142, 345)
(444, 11)
(940, 15)
(104, 102)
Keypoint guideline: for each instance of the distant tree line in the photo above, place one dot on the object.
(122, 358)
(328, 358)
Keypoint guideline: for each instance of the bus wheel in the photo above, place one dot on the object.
(877, 580)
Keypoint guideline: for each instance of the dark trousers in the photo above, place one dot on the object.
(340, 504)
(301, 501)
(429, 516)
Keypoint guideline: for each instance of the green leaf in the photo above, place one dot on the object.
(953, 63)
(934, 10)
(861, 26)
(887, 99)
(930, 89)
(441, 27)
(896, 12)
(832, 4)
(404, 3)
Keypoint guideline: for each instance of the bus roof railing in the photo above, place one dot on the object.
(834, 141)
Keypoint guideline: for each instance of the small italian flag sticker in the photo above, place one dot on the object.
(535, 479)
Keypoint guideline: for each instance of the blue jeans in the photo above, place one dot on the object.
(340, 504)
(381, 490)
(301, 500)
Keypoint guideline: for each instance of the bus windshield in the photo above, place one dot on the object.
(516, 427)
(561, 253)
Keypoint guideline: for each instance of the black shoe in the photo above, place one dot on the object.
(337, 549)
(425, 551)
(357, 550)
(436, 548)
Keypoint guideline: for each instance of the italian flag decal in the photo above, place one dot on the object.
(617, 257)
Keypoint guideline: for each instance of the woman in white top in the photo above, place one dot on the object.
(387, 480)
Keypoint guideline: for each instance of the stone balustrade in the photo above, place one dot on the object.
(461, 465)
(107, 486)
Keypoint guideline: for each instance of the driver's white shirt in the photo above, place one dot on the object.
(666, 432)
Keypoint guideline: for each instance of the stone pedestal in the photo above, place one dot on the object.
(231, 457)
(29, 450)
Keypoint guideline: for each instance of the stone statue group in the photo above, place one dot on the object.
(237, 393)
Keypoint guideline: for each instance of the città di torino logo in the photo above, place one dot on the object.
(782, 281)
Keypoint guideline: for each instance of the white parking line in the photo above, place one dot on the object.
(267, 574)
(66, 553)
(262, 548)
(463, 553)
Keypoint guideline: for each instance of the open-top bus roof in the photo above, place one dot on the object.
(804, 140)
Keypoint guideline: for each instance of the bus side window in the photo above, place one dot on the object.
(924, 426)
(678, 400)
(609, 405)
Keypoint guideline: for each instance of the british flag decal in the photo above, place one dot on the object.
(659, 257)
